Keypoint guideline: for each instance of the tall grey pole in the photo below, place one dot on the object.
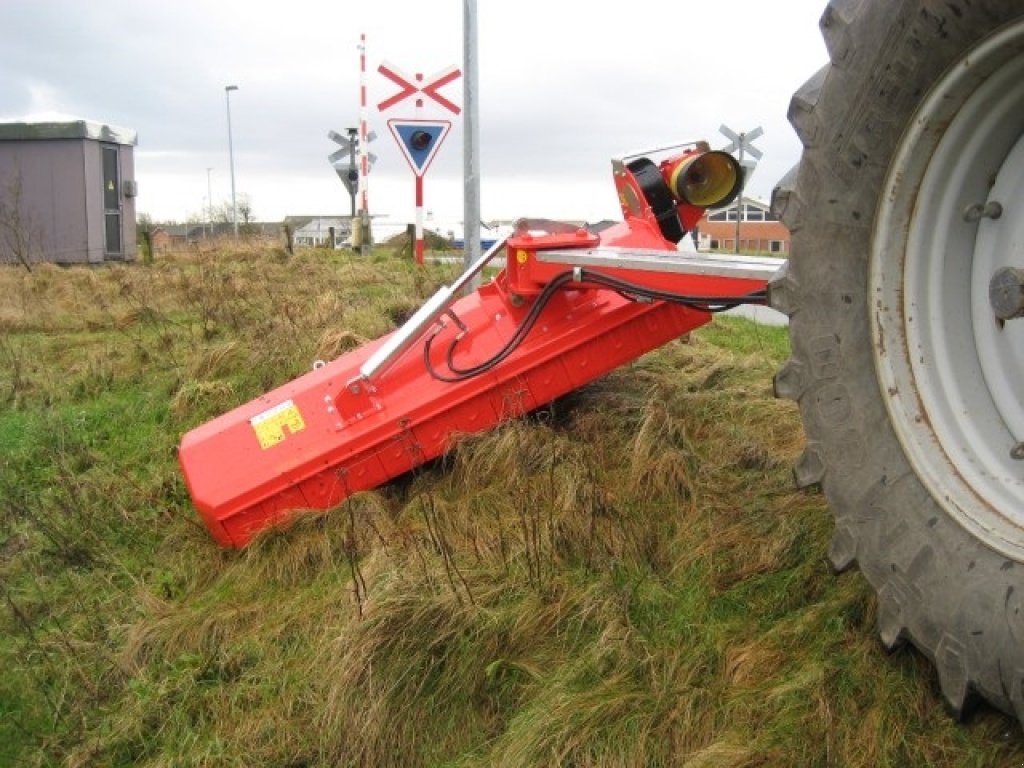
(365, 236)
(209, 200)
(353, 175)
(739, 197)
(471, 140)
(231, 158)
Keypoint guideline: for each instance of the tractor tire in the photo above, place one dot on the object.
(902, 291)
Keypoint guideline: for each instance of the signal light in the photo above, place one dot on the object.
(419, 140)
(674, 194)
(707, 180)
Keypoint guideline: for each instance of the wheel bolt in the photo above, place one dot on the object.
(1006, 293)
(978, 211)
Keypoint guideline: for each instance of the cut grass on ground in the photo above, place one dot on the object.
(626, 578)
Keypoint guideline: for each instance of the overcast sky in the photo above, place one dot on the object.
(564, 86)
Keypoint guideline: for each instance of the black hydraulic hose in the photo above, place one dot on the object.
(461, 374)
(712, 304)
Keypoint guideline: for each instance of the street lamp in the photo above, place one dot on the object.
(231, 158)
(209, 200)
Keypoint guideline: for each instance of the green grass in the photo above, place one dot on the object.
(626, 579)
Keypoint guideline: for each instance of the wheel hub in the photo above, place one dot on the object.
(947, 287)
(1006, 293)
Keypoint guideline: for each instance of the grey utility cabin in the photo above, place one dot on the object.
(67, 192)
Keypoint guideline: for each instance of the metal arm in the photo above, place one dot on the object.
(425, 316)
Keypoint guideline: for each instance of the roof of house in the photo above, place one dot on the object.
(43, 130)
(174, 230)
(322, 224)
(752, 201)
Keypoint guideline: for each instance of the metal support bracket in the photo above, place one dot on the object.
(675, 262)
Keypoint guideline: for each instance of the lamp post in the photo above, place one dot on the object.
(231, 158)
(209, 200)
(470, 140)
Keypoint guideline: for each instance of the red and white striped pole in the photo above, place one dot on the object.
(364, 160)
(419, 191)
(419, 219)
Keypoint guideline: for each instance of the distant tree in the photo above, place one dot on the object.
(222, 214)
(157, 223)
(244, 210)
(20, 236)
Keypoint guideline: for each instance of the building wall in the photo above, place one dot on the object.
(93, 200)
(162, 239)
(45, 182)
(129, 233)
(317, 232)
(754, 236)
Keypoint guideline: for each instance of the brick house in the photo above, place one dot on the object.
(165, 237)
(760, 230)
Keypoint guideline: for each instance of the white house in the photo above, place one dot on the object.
(316, 231)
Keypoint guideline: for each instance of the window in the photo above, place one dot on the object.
(776, 246)
(112, 232)
(718, 216)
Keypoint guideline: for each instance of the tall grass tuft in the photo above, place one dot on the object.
(624, 578)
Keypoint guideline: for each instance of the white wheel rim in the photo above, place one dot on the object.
(951, 375)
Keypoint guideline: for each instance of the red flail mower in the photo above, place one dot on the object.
(569, 306)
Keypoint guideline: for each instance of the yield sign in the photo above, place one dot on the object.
(419, 140)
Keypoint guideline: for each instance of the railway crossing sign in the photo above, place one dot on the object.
(419, 140)
(741, 144)
(343, 160)
(414, 84)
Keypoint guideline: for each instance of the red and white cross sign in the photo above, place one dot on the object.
(410, 85)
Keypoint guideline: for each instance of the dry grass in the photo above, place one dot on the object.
(626, 578)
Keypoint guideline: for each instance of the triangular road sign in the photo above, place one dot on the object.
(419, 140)
(349, 177)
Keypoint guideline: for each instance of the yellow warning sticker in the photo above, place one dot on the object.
(269, 426)
(522, 257)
